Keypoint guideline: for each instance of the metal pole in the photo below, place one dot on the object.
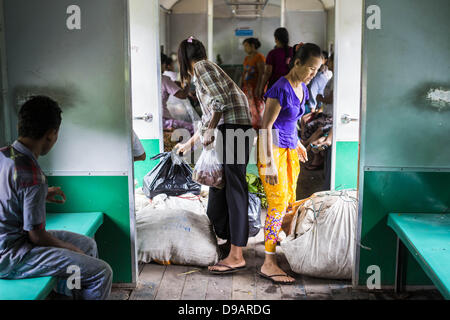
(210, 29)
(283, 13)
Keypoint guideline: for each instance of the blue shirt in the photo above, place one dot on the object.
(316, 87)
(292, 109)
(23, 193)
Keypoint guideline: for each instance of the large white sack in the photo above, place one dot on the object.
(140, 200)
(175, 236)
(322, 241)
(188, 201)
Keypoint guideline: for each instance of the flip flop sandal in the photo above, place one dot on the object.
(265, 276)
(229, 270)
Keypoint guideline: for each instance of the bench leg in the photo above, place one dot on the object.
(400, 270)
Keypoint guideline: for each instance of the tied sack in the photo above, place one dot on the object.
(321, 242)
(175, 236)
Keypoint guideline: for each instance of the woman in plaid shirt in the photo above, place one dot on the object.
(224, 107)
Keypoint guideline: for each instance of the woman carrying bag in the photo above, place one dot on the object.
(224, 107)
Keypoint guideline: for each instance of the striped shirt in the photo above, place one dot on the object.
(216, 92)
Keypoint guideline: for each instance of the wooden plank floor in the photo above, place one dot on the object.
(173, 282)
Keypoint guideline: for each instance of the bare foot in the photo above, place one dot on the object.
(229, 261)
(272, 269)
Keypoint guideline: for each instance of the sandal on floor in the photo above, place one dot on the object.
(229, 270)
(265, 276)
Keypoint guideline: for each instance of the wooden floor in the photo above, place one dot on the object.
(158, 282)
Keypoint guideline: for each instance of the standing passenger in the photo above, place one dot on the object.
(251, 79)
(224, 107)
(168, 88)
(27, 250)
(280, 149)
(277, 61)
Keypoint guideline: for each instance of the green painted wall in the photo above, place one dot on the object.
(346, 173)
(404, 134)
(386, 192)
(141, 168)
(110, 196)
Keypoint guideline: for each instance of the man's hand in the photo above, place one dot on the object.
(53, 193)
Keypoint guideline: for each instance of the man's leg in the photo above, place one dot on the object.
(95, 275)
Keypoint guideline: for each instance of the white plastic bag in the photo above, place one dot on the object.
(322, 238)
(208, 170)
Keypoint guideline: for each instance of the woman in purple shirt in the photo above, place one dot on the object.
(280, 149)
(277, 61)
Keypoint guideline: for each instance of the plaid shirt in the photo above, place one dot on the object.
(217, 92)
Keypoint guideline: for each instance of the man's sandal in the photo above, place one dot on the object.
(265, 276)
(229, 270)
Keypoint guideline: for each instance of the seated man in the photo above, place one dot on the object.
(138, 150)
(27, 250)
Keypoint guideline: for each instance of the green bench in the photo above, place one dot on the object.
(86, 223)
(427, 237)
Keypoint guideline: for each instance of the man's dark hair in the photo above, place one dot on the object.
(38, 115)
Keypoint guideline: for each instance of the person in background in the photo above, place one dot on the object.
(251, 79)
(168, 88)
(27, 249)
(277, 61)
(225, 107)
(280, 149)
(138, 150)
(169, 69)
(324, 68)
(317, 87)
(316, 131)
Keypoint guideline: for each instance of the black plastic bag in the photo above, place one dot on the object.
(172, 176)
(254, 215)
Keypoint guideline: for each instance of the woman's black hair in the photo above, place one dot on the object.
(282, 35)
(189, 50)
(253, 41)
(38, 115)
(304, 52)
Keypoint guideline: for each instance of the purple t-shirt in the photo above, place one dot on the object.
(291, 111)
(277, 59)
(168, 88)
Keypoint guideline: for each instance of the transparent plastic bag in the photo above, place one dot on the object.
(209, 170)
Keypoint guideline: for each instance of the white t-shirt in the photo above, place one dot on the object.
(138, 149)
(172, 75)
